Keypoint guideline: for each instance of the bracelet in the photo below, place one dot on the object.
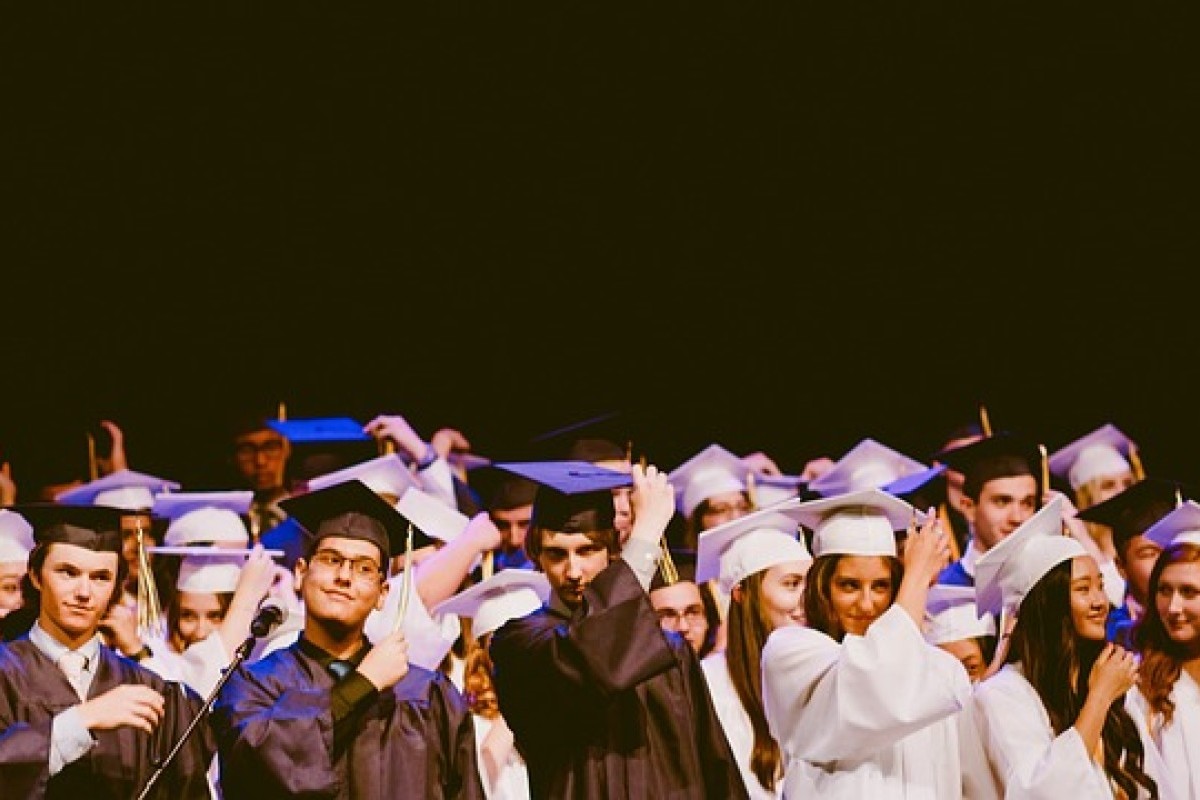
(143, 654)
(426, 461)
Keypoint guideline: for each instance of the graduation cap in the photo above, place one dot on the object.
(1130, 512)
(432, 519)
(917, 486)
(1179, 526)
(348, 510)
(288, 537)
(386, 474)
(1002, 455)
(90, 526)
(506, 595)
(712, 471)
(1012, 566)
(861, 523)
(572, 496)
(124, 488)
(195, 517)
(206, 569)
(951, 615)
(603, 437)
(510, 491)
(1103, 452)
(322, 444)
(868, 465)
(16, 537)
(772, 489)
(734, 550)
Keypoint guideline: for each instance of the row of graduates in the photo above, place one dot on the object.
(826, 680)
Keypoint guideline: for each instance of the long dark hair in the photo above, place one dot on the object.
(818, 608)
(1162, 657)
(1057, 662)
(746, 633)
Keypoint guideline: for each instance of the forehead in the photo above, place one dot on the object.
(1179, 573)
(1010, 486)
(260, 436)
(199, 601)
(725, 498)
(679, 595)
(789, 568)
(12, 569)
(565, 541)
(1083, 567)
(80, 557)
(862, 567)
(352, 548)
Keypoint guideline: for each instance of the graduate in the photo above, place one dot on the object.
(761, 564)
(1053, 719)
(602, 701)
(77, 719)
(1167, 695)
(16, 542)
(860, 703)
(335, 714)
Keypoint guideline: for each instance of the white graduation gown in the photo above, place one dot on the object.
(736, 723)
(1030, 761)
(863, 718)
(1178, 744)
(513, 781)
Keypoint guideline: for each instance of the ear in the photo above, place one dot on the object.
(299, 571)
(383, 593)
(36, 579)
(738, 594)
(968, 507)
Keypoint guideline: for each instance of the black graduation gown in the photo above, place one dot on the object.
(33, 690)
(274, 726)
(604, 704)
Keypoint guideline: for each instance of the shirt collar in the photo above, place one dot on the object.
(325, 658)
(54, 649)
(969, 558)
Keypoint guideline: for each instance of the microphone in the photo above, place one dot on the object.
(269, 617)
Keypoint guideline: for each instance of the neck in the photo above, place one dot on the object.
(71, 641)
(333, 639)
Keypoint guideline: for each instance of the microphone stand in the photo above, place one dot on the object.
(239, 655)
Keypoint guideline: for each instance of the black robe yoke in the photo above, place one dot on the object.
(274, 726)
(33, 690)
(606, 705)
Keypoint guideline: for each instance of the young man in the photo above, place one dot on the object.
(335, 715)
(603, 702)
(77, 720)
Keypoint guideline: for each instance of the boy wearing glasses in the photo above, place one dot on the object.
(335, 715)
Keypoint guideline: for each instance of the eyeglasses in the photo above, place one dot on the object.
(271, 447)
(363, 568)
(670, 618)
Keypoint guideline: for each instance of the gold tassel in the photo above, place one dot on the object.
(984, 423)
(1045, 469)
(751, 490)
(1135, 461)
(93, 464)
(148, 607)
(281, 414)
(488, 567)
(406, 583)
(1178, 497)
(666, 565)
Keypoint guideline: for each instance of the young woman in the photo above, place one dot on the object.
(1168, 693)
(759, 561)
(1053, 718)
(858, 701)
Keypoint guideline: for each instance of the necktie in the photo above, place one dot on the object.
(340, 668)
(73, 665)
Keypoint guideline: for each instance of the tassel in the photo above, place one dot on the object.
(406, 583)
(150, 616)
(1135, 461)
(984, 423)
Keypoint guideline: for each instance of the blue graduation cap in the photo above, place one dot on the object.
(572, 496)
(318, 430)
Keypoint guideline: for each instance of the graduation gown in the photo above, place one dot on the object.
(274, 726)
(33, 690)
(736, 724)
(604, 704)
(1026, 755)
(1178, 744)
(866, 717)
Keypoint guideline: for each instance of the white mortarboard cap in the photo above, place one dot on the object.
(210, 570)
(1180, 525)
(121, 489)
(868, 465)
(431, 516)
(1012, 566)
(386, 474)
(508, 594)
(734, 550)
(16, 537)
(951, 615)
(861, 523)
(1102, 452)
(772, 489)
(204, 517)
(712, 471)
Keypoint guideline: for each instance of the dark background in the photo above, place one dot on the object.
(767, 226)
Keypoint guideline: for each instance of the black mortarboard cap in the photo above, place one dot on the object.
(349, 510)
(603, 437)
(1130, 512)
(93, 527)
(572, 496)
(512, 491)
(1002, 455)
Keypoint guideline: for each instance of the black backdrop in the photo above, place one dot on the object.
(773, 227)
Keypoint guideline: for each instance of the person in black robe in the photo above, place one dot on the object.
(334, 715)
(100, 732)
(604, 703)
